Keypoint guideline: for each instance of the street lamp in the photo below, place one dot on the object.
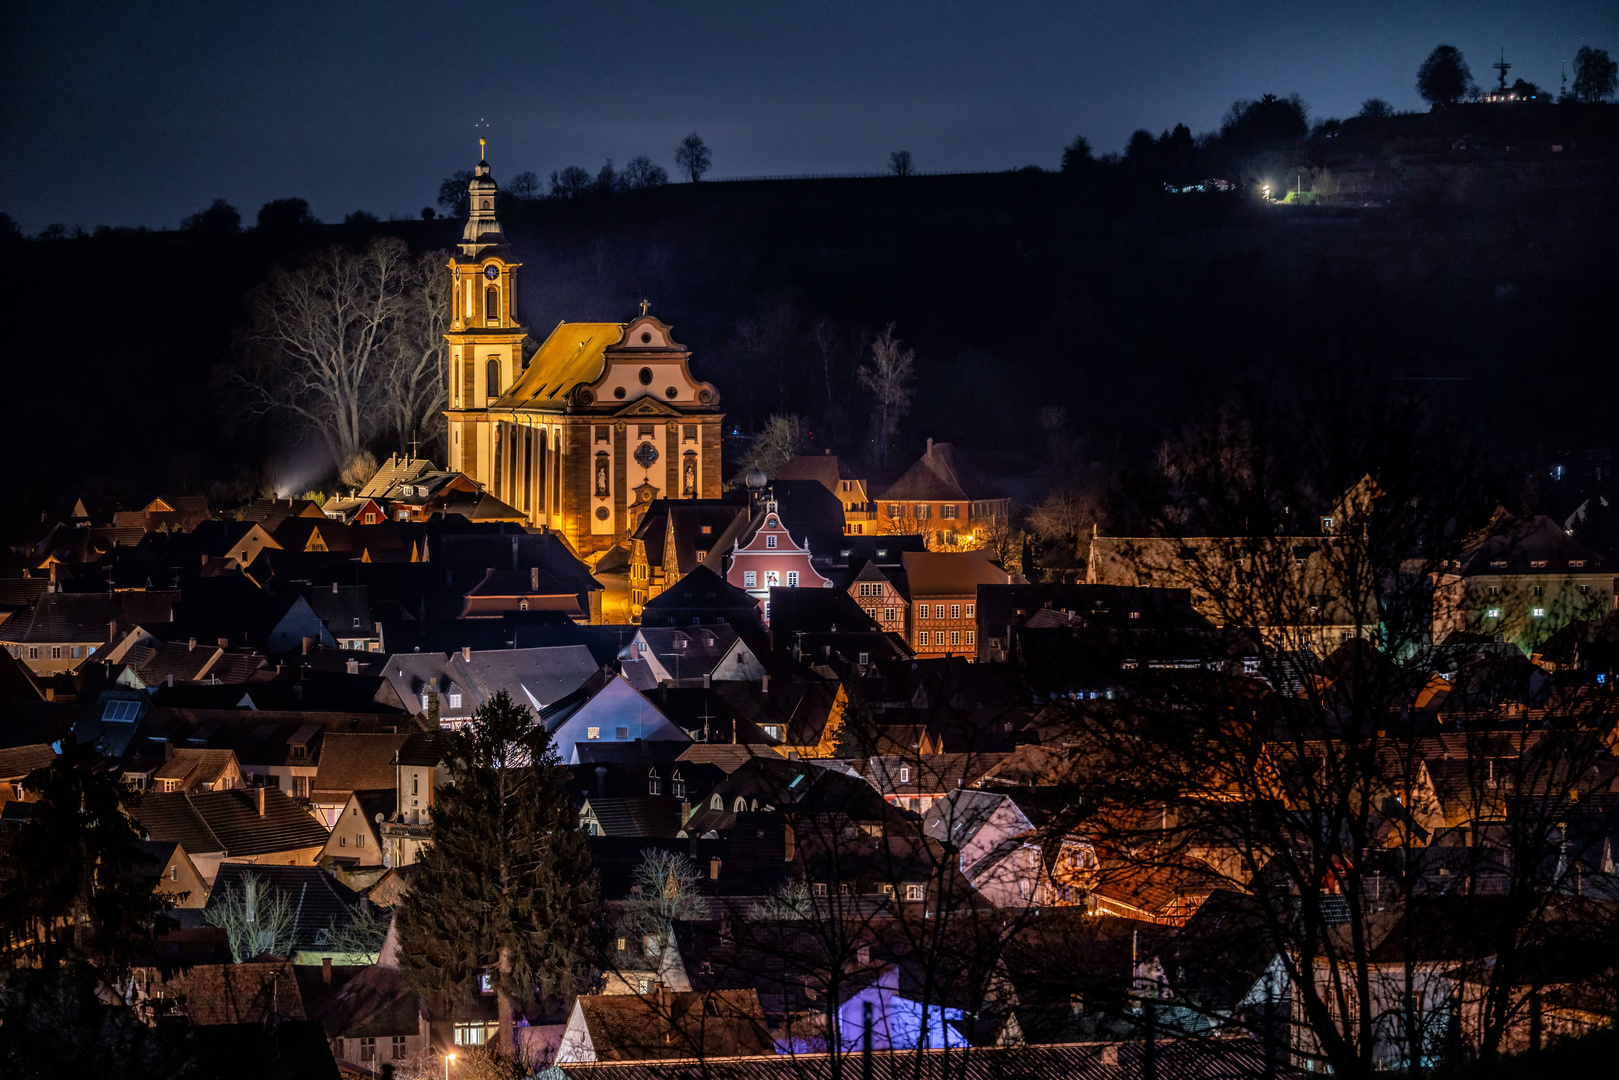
(447, 1059)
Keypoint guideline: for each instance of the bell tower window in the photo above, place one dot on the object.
(491, 305)
(494, 377)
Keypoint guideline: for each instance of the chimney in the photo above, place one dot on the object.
(334, 588)
(309, 643)
(258, 798)
(171, 680)
(601, 781)
(663, 998)
(534, 578)
(466, 654)
(930, 447)
(325, 965)
(764, 685)
(192, 644)
(828, 451)
(514, 553)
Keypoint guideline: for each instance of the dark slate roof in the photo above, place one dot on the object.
(319, 901)
(814, 611)
(701, 592)
(1519, 544)
(67, 617)
(238, 994)
(698, 648)
(637, 815)
(942, 474)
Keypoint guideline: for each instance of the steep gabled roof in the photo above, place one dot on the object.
(571, 355)
(942, 474)
(356, 762)
(951, 573)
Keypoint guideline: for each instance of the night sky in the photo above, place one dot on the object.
(140, 113)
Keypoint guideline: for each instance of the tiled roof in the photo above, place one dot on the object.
(67, 617)
(229, 821)
(723, 1023)
(385, 482)
(233, 993)
(192, 766)
(572, 354)
(636, 815)
(951, 573)
(319, 901)
(424, 749)
(17, 762)
(375, 1003)
(355, 762)
(942, 474)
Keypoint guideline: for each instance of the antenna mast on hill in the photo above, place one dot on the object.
(1503, 67)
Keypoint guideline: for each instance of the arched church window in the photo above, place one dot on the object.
(491, 304)
(494, 377)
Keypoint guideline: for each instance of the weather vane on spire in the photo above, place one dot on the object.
(482, 142)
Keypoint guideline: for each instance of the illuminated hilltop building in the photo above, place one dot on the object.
(604, 417)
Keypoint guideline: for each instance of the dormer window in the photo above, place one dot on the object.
(677, 786)
(654, 783)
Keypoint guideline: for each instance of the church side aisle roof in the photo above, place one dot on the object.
(573, 354)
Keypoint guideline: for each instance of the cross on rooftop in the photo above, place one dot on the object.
(644, 305)
(1503, 67)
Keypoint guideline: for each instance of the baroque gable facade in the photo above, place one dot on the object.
(599, 421)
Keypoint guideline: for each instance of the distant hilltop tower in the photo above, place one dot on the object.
(604, 417)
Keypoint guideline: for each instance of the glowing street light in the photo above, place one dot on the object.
(447, 1059)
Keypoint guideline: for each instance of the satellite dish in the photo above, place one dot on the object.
(379, 817)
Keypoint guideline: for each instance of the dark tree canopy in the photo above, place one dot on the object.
(693, 157)
(506, 887)
(453, 195)
(1269, 119)
(571, 182)
(639, 172)
(1595, 75)
(285, 216)
(1077, 155)
(1376, 109)
(221, 219)
(1443, 78)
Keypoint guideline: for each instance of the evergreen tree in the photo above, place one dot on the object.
(506, 888)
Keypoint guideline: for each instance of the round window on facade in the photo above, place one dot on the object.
(646, 376)
(646, 338)
(671, 393)
(618, 391)
(601, 513)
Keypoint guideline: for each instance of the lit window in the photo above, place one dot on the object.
(905, 774)
(750, 579)
(888, 614)
(621, 733)
(955, 637)
(948, 510)
(56, 652)
(915, 892)
(970, 609)
(972, 637)
(770, 541)
(921, 637)
(1493, 613)
(895, 511)
(1538, 612)
(921, 611)
(955, 611)
(677, 784)
(792, 579)
(455, 701)
(713, 869)
(593, 733)
(772, 731)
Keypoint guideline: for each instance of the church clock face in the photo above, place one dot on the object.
(491, 271)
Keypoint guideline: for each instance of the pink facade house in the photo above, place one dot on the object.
(768, 556)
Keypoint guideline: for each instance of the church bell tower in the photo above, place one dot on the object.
(485, 339)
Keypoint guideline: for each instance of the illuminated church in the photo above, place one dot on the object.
(604, 417)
